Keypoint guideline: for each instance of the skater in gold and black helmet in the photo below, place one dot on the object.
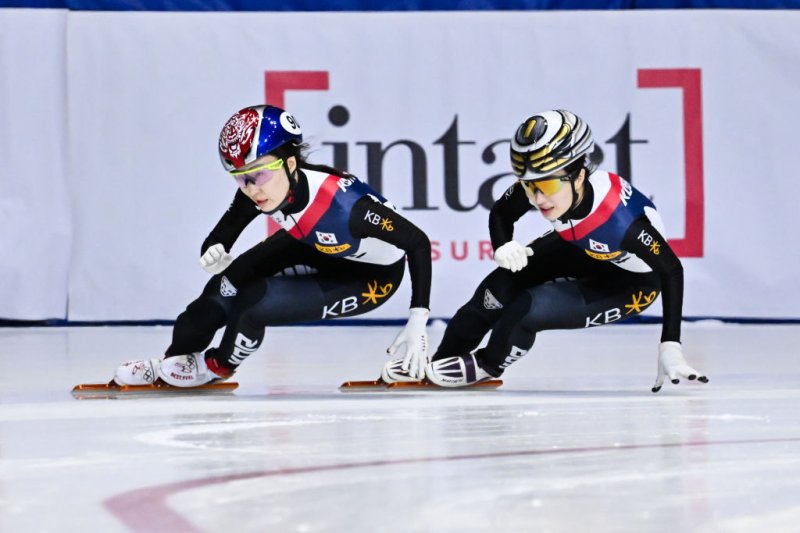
(605, 260)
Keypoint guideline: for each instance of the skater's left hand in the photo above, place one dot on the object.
(672, 364)
(415, 337)
(215, 259)
(513, 256)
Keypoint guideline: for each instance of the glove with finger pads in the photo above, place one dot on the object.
(672, 364)
(215, 259)
(414, 335)
(513, 256)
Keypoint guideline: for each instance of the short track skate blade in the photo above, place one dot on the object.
(427, 385)
(362, 386)
(112, 390)
(380, 385)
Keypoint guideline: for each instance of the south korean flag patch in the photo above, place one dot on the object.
(326, 238)
(598, 246)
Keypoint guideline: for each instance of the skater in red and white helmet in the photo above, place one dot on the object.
(605, 260)
(344, 241)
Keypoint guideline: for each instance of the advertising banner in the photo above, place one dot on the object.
(422, 107)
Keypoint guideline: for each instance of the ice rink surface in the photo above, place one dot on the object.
(574, 440)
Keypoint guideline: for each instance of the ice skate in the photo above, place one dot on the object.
(460, 371)
(141, 372)
(189, 371)
(394, 378)
(143, 377)
(393, 373)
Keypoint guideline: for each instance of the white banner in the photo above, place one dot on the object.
(421, 105)
(35, 232)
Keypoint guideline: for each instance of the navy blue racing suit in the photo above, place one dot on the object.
(606, 261)
(340, 252)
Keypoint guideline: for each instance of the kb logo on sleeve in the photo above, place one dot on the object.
(648, 240)
(376, 220)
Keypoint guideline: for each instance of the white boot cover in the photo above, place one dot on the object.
(393, 372)
(141, 372)
(186, 371)
(456, 371)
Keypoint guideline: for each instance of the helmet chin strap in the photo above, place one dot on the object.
(289, 194)
(566, 217)
(573, 204)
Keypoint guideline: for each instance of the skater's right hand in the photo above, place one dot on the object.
(513, 256)
(415, 337)
(216, 259)
(672, 364)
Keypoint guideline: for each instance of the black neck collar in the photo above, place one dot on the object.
(584, 207)
(298, 194)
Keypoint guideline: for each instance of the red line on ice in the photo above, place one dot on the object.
(145, 509)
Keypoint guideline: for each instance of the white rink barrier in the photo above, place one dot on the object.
(110, 174)
(35, 219)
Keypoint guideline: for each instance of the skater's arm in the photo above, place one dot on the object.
(274, 254)
(240, 213)
(646, 242)
(373, 219)
(552, 256)
(400, 232)
(505, 212)
(550, 245)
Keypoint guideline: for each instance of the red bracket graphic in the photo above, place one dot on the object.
(276, 83)
(689, 81)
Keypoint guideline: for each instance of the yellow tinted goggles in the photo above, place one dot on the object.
(546, 187)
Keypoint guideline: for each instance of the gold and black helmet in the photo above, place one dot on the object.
(547, 142)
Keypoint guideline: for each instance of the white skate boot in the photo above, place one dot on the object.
(393, 373)
(187, 371)
(141, 372)
(457, 371)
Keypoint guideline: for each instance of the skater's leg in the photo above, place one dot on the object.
(193, 331)
(195, 327)
(298, 299)
(567, 304)
(475, 318)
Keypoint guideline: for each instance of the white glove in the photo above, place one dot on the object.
(672, 364)
(415, 337)
(513, 256)
(216, 259)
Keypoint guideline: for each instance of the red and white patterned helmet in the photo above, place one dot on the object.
(254, 132)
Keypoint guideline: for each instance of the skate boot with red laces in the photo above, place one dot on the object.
(192, 370)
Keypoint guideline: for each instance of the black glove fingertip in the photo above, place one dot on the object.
(692, 377)
(655, 389)
(702, 379)
(675, 381)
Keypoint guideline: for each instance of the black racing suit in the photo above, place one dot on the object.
(605, 262)
(320, 268)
